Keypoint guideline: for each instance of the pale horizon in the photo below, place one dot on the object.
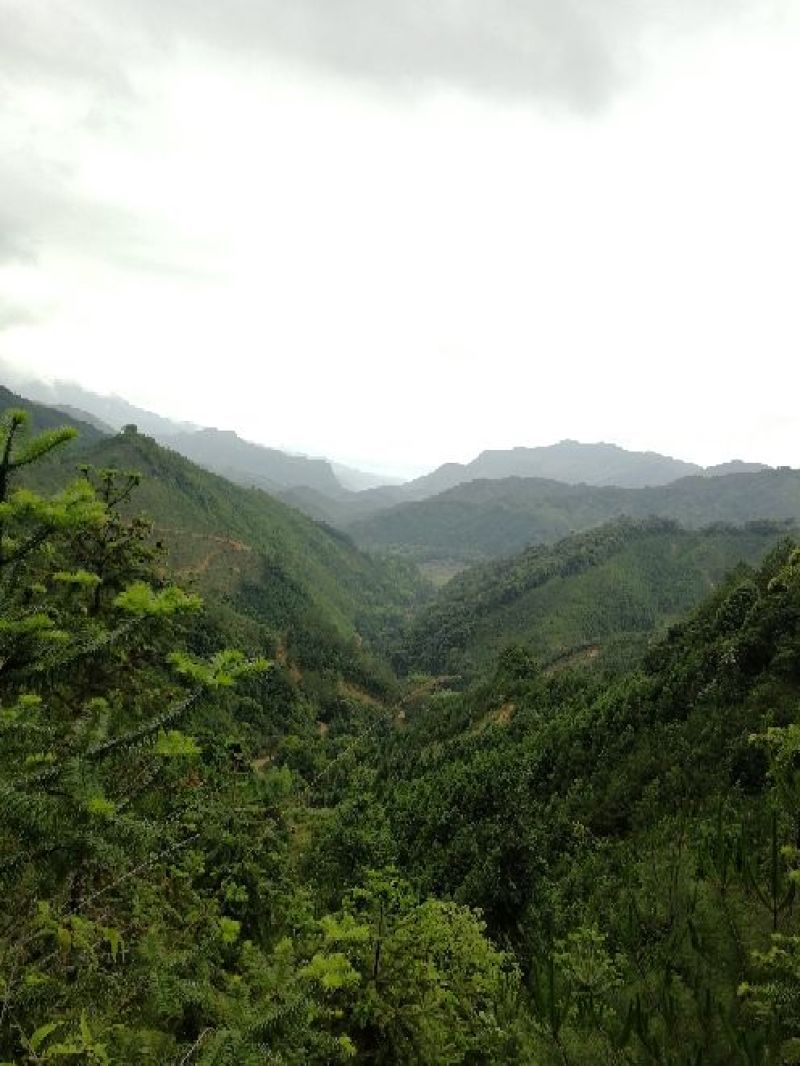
(17, 380)
(414, 234)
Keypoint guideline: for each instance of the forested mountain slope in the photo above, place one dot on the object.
(159, 796)
(635, 840)
(597, 596)
(269, 561)
(491, 518)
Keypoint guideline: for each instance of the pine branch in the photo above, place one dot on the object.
(126, 740)
(42, 445)
(153, 726)
(53, 664)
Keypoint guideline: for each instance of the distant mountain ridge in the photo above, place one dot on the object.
(490, 518)
(221, 451)
(354, 480)
(85, 416)
(596, 464)
(568, 462)
(113, 411)
(341, 495)
(574, 463)
(571, 462)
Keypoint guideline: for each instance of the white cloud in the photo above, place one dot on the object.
(409, 279)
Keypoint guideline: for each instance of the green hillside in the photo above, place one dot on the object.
(596, 596)
(491, 518)
(268, 561)
(635, 840)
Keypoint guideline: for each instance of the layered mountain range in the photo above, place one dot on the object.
(341, 495)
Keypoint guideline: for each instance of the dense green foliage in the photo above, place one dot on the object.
(155, 909)
(488, 519)
(634, 841)
(227, 834)
(304, 582)
(595, 597)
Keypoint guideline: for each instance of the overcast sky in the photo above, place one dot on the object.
(397, 232)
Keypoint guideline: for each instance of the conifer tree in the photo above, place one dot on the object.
(93, 759)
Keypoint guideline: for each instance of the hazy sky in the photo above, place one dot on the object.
(397, 232)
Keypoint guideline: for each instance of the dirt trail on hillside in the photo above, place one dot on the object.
(219, 546)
